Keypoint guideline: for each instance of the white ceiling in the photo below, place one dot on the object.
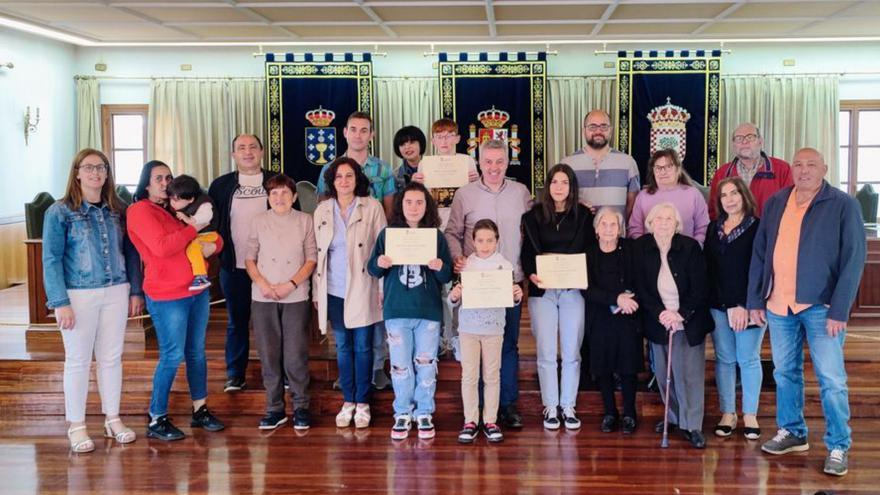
(116, 21)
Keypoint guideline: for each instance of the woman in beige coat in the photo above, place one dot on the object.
(346, 227)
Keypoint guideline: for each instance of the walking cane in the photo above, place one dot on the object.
(664, 443)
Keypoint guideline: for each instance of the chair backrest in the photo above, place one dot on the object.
(34, 213)
(124, 194)
(868, 200)
(307, 195)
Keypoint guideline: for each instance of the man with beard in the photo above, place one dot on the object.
(763, 174)
(606, 177)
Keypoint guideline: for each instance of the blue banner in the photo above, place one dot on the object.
(668, 101)
(307, 104)
(501, 99)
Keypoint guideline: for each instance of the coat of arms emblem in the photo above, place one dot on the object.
(320, 143)
(493, 121)
(668, 128)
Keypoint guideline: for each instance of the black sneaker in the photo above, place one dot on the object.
(628, 425)
(204, 419)
(272, 420)
(511, 417)
(161, 428)
(302, 419)
(468, 433)
(235, 384)
(570, 419)
(609, 423)
(493, 433)
(551, 420)
(658, 428)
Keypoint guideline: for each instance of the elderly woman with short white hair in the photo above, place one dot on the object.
(612, 325)
(672, 288)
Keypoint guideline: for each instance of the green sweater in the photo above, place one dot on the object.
(412, 291)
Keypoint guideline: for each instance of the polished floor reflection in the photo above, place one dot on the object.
(34, 459)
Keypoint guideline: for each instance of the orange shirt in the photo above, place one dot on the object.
(785, 256)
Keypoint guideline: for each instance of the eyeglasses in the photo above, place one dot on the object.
(597, 127)
(746, 138)
(444, 137)
(664, 168)
(94, 169)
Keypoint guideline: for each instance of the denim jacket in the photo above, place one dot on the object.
(86, 249)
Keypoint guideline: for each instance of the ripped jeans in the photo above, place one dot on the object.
(412, 344)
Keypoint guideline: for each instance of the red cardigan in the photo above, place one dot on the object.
(773, 174)
(161, 241)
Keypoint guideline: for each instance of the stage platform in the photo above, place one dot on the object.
(35, 458)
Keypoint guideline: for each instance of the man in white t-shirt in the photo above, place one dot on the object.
(238, 196)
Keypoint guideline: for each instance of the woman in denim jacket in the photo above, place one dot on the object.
(93, 282)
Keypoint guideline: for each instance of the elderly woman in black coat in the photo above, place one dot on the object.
(672, 288)
(612, 324)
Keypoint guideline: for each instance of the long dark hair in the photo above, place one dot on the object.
(749, 205)
(430, 219)
(361, 182)
(548, 206)
(683, 177)
(144, 181)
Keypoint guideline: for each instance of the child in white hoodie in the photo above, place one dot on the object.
(481, 333)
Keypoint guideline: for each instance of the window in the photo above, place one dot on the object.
(859, 158)
(125, 141)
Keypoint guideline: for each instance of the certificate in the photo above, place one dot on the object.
(410, 246)
(562, 271)
(487, 289)
(445, 170)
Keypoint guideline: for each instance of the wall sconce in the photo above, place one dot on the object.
(30, 126)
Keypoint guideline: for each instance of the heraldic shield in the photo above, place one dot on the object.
(669, 128)
(320, 140)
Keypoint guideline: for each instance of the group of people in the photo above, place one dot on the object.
(775, 246)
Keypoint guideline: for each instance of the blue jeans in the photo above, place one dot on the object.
(510, 357)
(787, 342)
(732, 348)
(236, 286)
(413, 342)
(558, 326)
(354, 353)
(180, 329)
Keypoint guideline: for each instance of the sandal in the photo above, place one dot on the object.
(81, 446)
(362, 416)
(126, 435)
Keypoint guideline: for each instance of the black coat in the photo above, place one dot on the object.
(688, 268)
(615, 340)
(728, 267)
(583, 236)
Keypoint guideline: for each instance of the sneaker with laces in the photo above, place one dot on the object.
(836, 463)
(551, 421)
(426, 427)
(204, 419)
(493, 432)
(234, 384)
(302, 419)
(570, 419)
(161, 428)
(785, 442)
(402, 425)
(272, 420)
(468, 433)
(199, 283)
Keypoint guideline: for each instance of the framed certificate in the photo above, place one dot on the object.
(445, 171)
(410, 246)
(487, 289)
(562, 271)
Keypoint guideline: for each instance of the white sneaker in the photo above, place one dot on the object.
(570, 419)
(551, 421)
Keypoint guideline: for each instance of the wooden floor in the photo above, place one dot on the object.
(34, 455)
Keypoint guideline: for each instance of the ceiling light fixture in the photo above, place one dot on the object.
(48, 33)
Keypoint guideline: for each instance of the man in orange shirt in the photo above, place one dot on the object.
(807, 261)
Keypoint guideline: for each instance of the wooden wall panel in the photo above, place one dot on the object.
(13, 260)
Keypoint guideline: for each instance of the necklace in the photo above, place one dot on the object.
(561, 219)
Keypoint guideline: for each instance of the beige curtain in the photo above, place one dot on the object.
(791, 112)
(189, 126)
(88, 114)
(569, 99)
(401, 102)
